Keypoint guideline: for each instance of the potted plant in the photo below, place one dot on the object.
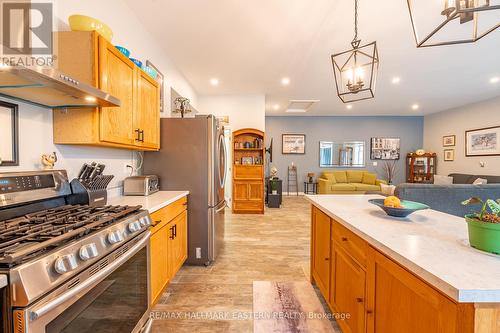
(484, 226)
(274, 186)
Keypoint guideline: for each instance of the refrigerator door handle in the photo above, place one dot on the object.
(222, 144)
(222, 206)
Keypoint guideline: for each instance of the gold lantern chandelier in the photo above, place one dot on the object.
(448, 22)
(355, 70)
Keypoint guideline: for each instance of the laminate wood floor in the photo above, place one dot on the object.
(269, 247)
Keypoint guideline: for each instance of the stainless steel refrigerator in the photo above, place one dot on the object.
(193, 157)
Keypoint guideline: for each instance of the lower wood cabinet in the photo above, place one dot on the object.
(378, 294)
(248, 196)
(168, 245)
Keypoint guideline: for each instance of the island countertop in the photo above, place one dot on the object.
(430, 244)
(152, 202)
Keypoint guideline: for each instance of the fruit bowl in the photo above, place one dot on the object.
(407, 208)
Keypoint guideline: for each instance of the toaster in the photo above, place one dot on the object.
(141, 185)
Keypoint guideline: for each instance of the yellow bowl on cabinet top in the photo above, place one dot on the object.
(87, 23)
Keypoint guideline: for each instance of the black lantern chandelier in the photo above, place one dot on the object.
(448, 22)
(355, 70)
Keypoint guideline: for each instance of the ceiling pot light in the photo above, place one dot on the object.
(495, 79)
(214, 82)
(415, 106)
(276, 107)
(457, 21)
(349, 106)
(356, 70)
(285, 81)
(396, 80)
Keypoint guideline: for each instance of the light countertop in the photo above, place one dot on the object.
(431, 244)
(152, 202)
(3, 280)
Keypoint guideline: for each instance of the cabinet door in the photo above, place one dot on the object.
(255, 191)
(158, 262)
(147, 111)
(240, 191)
(321, 251)
(348, 285)
(182, 232)
(402, 302)
(117, 77)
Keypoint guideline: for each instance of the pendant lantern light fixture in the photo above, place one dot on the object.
(448, 22)
(356, 70)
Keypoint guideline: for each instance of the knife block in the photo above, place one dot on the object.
(93, 193)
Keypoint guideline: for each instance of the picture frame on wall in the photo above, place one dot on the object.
(482, 142)
(449, 155)
(385, 148)
(449, 140)
(293, 144)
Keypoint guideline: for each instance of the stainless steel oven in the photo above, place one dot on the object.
(110, 296)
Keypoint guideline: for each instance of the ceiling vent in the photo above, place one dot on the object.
(300, 106)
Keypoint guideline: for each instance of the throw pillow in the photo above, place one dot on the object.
(354, 176)
(387, 189)
(331, 177)
(442, 180)
(369, 178)
(340, 176)
(480, 181)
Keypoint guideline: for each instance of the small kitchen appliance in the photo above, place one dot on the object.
(141, 185)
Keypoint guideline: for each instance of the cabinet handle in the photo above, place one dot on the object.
(175, 230)
(171, 233)
(142, 135)
(369, 311)
(359, 300)
(327, 258)
(344, 239)
(138, 134)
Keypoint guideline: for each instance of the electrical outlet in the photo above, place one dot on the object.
(198, 253)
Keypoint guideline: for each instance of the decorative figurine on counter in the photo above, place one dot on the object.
(48, 161)
(274, 172)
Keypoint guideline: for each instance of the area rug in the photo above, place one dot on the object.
(291, 307)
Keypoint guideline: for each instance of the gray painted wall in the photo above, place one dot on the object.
(456, 122)
(341, 129)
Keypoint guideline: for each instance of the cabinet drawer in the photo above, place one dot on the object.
(248, 171)
(166, 214)
(248, 205)
(351, 243)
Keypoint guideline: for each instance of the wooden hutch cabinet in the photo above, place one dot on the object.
(135, 124)
(421, 168)
(248, 171)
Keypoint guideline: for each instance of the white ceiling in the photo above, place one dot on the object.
(249, 45)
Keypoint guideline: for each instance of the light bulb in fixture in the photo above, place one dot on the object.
(285, 81)
(495, 79)
(355, 79)
(415, 106)
(214, 82)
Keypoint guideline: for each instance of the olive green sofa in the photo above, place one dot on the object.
(348, 182)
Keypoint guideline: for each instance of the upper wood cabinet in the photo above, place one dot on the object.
(135, 124)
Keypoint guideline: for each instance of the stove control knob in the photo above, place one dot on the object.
(144, 221)
(88, 251)
(65, 263)
(115, 236)
(134, 226)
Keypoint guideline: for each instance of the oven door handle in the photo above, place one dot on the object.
(49, 306)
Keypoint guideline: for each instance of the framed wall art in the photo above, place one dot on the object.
(293, 144)
(385, 148)
(482, 142)
(449, 155)
(449, 141)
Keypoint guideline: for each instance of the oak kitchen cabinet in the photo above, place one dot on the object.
(135, 124)
(168, 245)
(378, 293)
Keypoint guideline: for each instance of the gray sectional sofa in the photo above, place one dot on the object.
(448, 198)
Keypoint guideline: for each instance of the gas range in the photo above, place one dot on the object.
(56, 255)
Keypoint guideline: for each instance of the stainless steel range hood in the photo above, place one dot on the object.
(50, 88)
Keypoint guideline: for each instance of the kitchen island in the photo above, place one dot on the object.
(416, 274)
